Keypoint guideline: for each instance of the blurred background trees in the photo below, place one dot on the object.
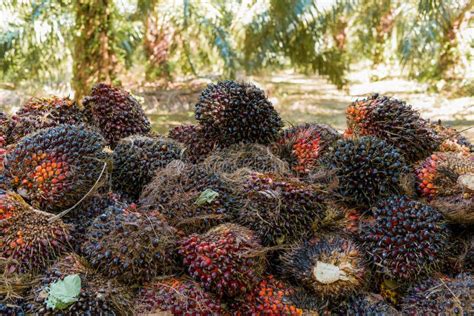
(74, 43)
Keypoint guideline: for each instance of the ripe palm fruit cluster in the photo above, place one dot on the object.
(279, 209)
(132, 246)
(331, 267)
(178, 296)
(395, 122)
(5, 127)
(98, 296)
(39, 113)
(190, 197)
(56, 167)
(370, 304)
(238, 112)
(198, 141)
(406, 238)
(441, 296)
(269, 297)
(33, 239)
(136, 160)
(227, 260)
(116, 113)
(366, 169)
(302, 145)
(451, 139)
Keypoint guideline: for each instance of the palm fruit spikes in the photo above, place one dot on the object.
(279, 209)
(131, 246)
(39, 113)
(178, 296)
(227, 260)
(33, 239)
(116, 113)
(331, 266)
(198, 141)
(366, 169)
(302, 145)
(395, 122)
(136, 160)
(56, 167)
(270, 297)
(441, 296)
(239, 112)
(406, 239)
(98, 296)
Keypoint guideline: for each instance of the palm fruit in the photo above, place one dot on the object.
(227, 260)
(279, 209)
(366, 169)
(302, 145)
(30, 237)
(238, 112)
(116, 113)
(451, 139)
(395, 122)
(40, 113)
(191, 198)
(330, 266)
(269, 297)
(13, 288)
(198, 141)
(177, 296)
(134, 247)
(441, 296)
(98, 295)
(136, 160)
(406, 238)
(254, 157)
(5, 127)
(56, 167)
(361, 305)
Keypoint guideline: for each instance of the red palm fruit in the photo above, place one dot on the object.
(198, 141)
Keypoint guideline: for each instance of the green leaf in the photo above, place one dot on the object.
(63, 293)
(207, 196)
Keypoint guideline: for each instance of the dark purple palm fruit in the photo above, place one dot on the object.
(198, 141)
(116, 113)
(239, 112)
(406, 239)
(441, 295)
(39, 113)
(395, 122)
(228, 260)
(366, 304)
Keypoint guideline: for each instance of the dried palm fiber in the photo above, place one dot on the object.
(98, 295)
(395, 122)
(55, 168)
(13, 288)
(40, 113)
(303, 145)
(190, 197)
(279, 209)
(32, 239)
(254, 157)
(199, 142)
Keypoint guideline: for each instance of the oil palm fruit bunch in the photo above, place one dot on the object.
(441, 296)
(368, 304)
(136, 160)
(330, 266)
(198, 141)
(40, 113)
(395, 122)
(227, 260)
(366, 169)
(302, 145)
(116, 113)
(269, 297)
(96, 295)
(5, 127)
(132, 246)
(33, 239)
(177, 296)
(406, 238)
(239, 112)
(56, 167)
(279, 209)
(191, 198)
(451, 139)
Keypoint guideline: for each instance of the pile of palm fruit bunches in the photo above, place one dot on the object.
(234, 215)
